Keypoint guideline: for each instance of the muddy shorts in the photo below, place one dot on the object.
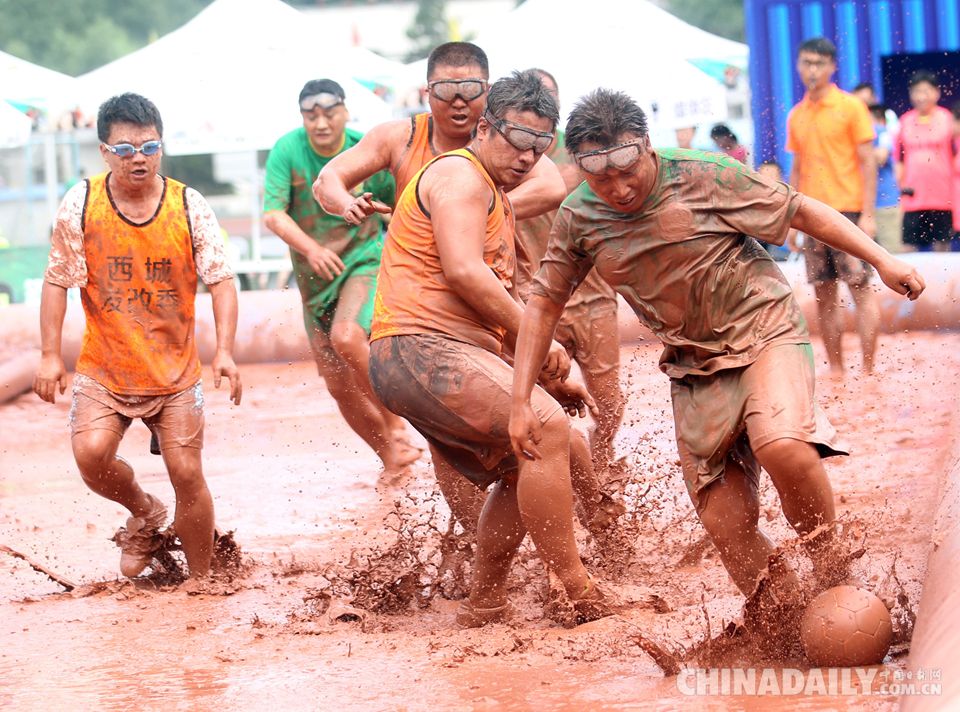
(176, 419)
(589, 333)
(347, 298)
(457, 396)
(735, 411)
(825, 264)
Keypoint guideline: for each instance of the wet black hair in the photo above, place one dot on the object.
(601, 117)
(127, 108)
(458, 54)
(819, 45)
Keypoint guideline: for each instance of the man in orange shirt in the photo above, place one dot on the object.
(831, 137)
(445, 309)
(134, 241)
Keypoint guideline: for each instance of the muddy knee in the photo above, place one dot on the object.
(350, 342)
(95, 453)
(727, 519)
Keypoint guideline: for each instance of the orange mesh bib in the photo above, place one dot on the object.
(413, 296)
(418, 152)
(139, 298)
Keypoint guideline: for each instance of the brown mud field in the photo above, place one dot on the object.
(348, 589)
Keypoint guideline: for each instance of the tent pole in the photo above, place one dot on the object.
(255, 252)
(50, 175)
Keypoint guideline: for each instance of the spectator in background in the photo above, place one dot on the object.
(685, 136)
(889, 217)
(923, 162)
(866, 92)
(727, 142)
(955, 242)
(831, 137)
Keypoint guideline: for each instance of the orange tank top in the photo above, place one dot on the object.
(413, 296)
(139, 298)
(417, 153)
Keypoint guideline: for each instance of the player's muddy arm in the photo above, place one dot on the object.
(825, 224)
(51, 376)
(347, 170)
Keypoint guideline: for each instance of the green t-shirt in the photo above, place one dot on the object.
(292, 166)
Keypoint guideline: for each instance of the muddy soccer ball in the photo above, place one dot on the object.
(846, 626)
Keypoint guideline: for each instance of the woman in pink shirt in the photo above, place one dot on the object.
(955, 242)
(924, 155)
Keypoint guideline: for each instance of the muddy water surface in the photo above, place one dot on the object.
(300, 492)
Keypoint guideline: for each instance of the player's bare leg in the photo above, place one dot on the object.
(599, 509)
(194, 518)
(730, 513)
(500, 532)
(351, 344)
(544, 507)
(107, 474)
(463, 498)
(868, 323)
(828, 310)
(807, 500)
(605, 389)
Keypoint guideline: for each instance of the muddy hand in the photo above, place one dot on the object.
(902, 278)
(557, 364)
(362, 207)
(325, 262)
(51, 376)
(525, 433)
(223, 365)
(572, 397)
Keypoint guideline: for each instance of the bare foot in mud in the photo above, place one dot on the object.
(605, 515)
(397, 470)
(571, 612)
(397, 465)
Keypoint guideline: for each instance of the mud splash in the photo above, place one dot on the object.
(349, 592)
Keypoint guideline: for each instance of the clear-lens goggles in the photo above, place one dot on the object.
(324, 100)
(446, 90)
(619, 157)
(520, 137)
(125, 150)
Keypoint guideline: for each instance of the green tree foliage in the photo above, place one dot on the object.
(429, 28)
(721, 17)
(75, 36)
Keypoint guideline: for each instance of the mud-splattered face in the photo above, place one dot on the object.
(458, 118)
(325, 127)
(136, 171)
(815, 70)
(623, 189)
(505, 163)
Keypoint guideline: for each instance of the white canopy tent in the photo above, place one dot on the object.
(228, 80)
(629, 45)
(28, 84)
(15, 126)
